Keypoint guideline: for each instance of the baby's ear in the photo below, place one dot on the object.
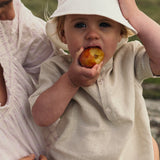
(63, 38)
(120, 38)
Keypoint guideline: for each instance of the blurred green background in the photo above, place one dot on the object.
(41, 7)
(44, 8)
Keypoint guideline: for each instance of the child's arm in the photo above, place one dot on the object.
(148, 31)
(51, 104)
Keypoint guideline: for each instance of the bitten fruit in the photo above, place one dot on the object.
(91, 56)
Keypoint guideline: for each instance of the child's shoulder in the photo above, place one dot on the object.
(129, 50)
(133, 47)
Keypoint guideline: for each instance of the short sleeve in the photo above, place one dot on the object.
(50, 72)
(142, 65)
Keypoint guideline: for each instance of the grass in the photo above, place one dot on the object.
(41, 8)
(151, 94)
(151, 88)
(151, 8)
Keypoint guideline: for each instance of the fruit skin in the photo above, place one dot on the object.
(91, 56)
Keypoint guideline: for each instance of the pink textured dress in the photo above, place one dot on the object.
(23, 47)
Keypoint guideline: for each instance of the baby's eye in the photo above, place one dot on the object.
(104, 24)
(80, 25)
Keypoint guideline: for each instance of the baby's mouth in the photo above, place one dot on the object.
(92, 47)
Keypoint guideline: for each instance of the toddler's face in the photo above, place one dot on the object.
(6, 10)
(90, 31)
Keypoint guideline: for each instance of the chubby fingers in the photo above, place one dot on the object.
(90, 75)
(92, 72)
(77, 54)
(30, 157)
(98, 67)
(82, 76)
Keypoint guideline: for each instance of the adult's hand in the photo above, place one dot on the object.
(42, 157)
(32, 157)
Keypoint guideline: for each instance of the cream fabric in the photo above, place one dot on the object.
(23, 46)
(105, 121)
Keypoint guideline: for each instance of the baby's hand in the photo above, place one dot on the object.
(82, 76)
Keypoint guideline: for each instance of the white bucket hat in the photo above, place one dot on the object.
(105, 8)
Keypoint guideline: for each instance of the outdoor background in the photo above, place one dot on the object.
(151, 87)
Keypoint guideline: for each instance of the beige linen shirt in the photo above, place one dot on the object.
(105, 121)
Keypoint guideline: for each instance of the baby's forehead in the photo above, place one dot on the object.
(86, 17)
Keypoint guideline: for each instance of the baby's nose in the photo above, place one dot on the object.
(92, 34)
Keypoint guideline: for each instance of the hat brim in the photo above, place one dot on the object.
(106, 8)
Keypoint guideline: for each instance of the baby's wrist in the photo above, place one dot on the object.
(72, 83)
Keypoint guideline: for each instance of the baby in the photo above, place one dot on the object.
(98, 113)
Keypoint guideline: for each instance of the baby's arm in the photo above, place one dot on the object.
(51, 104)
(148, 31)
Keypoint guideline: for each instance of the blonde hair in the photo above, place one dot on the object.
(60, 28)
(125, 32)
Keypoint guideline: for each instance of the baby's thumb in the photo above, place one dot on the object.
(78, 53)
